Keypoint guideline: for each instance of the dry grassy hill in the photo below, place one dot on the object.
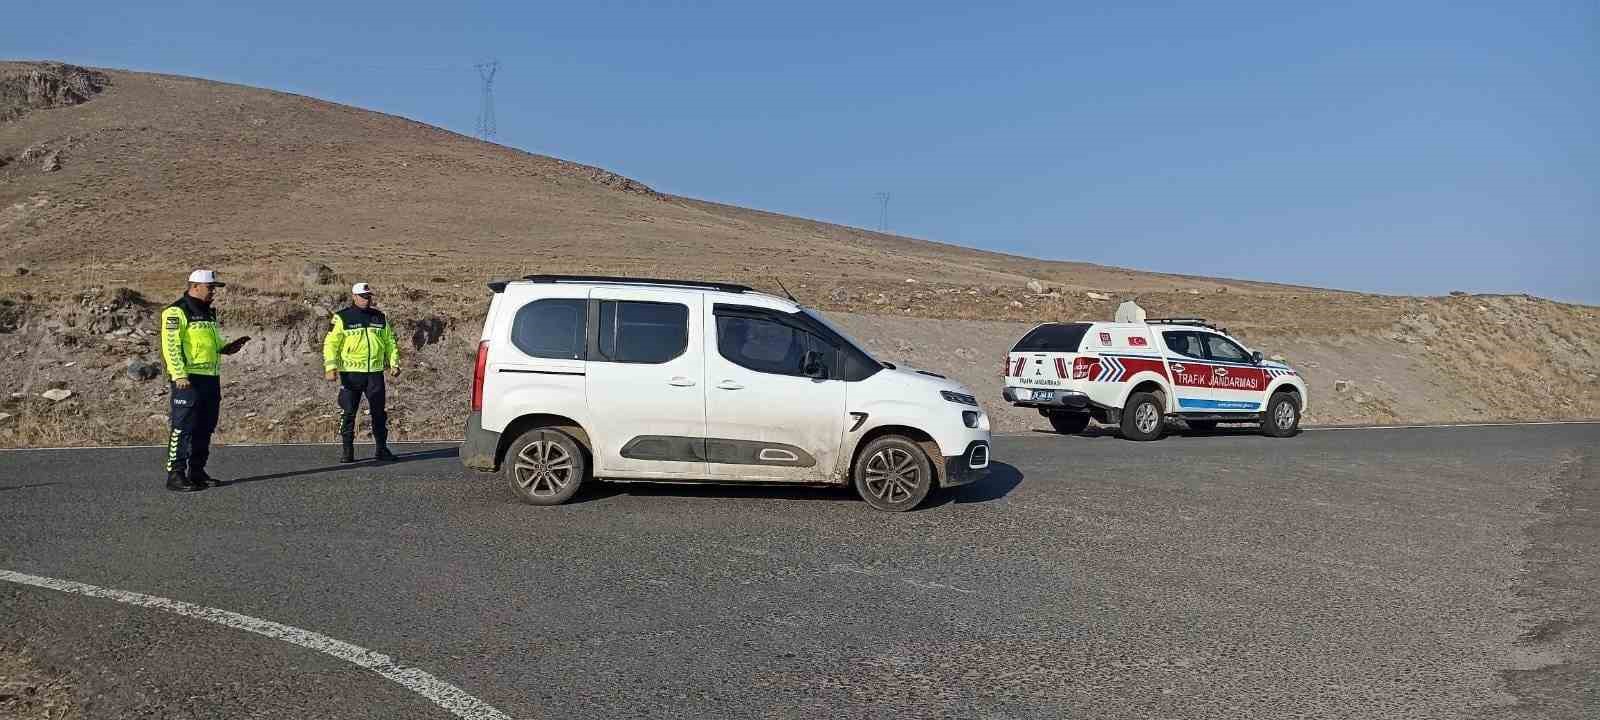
(113, 184)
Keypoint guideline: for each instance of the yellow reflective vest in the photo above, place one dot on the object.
(360, 341)
(191, 342)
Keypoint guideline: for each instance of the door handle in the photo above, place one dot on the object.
(730, 385)
(681, 382)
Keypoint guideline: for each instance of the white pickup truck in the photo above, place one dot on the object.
(1137, 374)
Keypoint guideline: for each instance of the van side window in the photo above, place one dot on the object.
(1221, 348)
(1186, 344)
(768, 346)
(642, 332)
(553, 328)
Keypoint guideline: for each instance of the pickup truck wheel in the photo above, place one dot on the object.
(893, 474)
(1282, 418)
(1142, 417)
(1069, 423)
(545, 467)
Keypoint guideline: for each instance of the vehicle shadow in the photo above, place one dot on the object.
(1002, 480)
(602, 489)
(369, 463)
(1093, 431)
(1171, 432)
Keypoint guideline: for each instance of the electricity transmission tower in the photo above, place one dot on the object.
(486, 71)
(883, 211)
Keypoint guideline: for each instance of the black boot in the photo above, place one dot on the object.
(384, 455)
(200, 477)
(348, 454)
(178, 482)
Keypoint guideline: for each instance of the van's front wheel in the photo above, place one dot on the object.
(893, 474)
(545, 467)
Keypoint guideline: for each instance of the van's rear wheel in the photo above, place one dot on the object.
(545, 467)
(1069, 423)
(893, 474)
(1143, 418)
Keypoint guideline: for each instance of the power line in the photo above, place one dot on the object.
(486, 71)
(883, 211)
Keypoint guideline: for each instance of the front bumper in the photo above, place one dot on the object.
(1063, 400)
(479, 448)
(968, 467)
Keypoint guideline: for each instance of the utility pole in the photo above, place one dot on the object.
(486, 71)
(883, 211)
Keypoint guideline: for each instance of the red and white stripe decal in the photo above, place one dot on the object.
(1190, 373)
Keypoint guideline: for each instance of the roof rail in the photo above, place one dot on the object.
(724, 287)
(1180, 321)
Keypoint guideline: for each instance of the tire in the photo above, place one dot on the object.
(893, 474)
(1282, 418)
(1143, 418)
(1201, 426)
(1069, 423)
(545, 467)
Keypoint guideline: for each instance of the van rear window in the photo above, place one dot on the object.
(1053, 338)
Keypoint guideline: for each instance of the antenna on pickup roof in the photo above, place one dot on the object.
(786, 292)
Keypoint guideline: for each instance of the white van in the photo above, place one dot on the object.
(1137, 374)
(634, 379)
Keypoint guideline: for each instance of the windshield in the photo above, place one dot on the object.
(819, 317)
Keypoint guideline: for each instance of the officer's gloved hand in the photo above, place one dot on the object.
(182, 383)
(394, 371)
(330, 376)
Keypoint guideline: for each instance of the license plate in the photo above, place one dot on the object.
(1043, 395)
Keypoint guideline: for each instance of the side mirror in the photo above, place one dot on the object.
(811, 365)
(1256, 356)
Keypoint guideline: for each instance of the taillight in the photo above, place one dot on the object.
(477, 375)
(1080, 368)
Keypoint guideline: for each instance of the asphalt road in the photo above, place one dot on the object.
(1422, 573)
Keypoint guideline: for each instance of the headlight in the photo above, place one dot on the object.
(956, 397)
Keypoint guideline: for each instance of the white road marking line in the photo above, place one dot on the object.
(441, 693)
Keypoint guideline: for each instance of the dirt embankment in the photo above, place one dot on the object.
(85, 368)
(114, 184)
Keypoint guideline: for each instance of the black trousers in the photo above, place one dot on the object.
(351, 387)
(194, 418)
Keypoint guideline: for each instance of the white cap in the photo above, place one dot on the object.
(360, 289)
(207, 277)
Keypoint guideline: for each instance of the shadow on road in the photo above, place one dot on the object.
(4, 488)
(403, 458)
(1172, 431)
(1093, 431)
(1002, 480)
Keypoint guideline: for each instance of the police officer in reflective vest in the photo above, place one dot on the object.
(192, 350)
(359, 347)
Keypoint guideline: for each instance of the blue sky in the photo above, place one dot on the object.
(1412, 147)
